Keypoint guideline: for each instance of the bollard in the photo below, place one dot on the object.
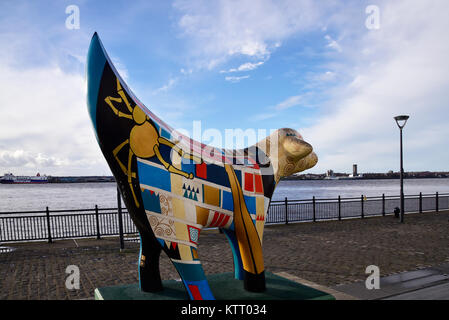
(314, 209)
(420, 202)
(97, 222)
(286, 210)
(436, 203)
(120, 220)
(363, 213)
(48, 226)
(339, 208)
(383, 204)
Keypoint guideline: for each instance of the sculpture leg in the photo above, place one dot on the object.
(194, 279)
(248, 240)
(149, 274)
(238, 265)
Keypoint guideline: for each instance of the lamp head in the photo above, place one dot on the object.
(401, 121)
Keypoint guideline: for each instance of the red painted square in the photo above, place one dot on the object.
(218, 222)
(195, 292)
(249, 182)
(258, 182)
(225, 221)
(201, 170)
(214, 220)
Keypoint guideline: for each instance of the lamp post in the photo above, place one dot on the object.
(401, 121)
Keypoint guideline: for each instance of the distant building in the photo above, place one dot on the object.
(354, 170)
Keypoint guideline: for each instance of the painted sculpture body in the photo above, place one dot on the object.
(174, 186)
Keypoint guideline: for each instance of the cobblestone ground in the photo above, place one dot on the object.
(327, 253)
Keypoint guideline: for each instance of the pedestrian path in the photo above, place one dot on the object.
(331, 254)
(425, 284)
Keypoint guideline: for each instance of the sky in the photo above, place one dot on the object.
(336, 71)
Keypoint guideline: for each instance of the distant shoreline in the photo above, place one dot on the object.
(361, 178)
(309, 176)
(291, 178)
(371, 176)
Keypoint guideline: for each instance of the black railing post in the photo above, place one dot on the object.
(286, 210)
(339, 208)
(383, 204)
(97, 221)
(314, 209)
(120, 220)
(420, 202)
(361, 202)
(436, 202)
(48, 226)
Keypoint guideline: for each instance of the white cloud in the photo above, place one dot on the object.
(236, 79)
(324, 77)
(45, 124)
(219, 30)
(263, 116)
(404, 71)
(276, 110)
(171, 82)
(18, 159)
(249, 66)
(333, 44)
(186, 71)
(288, 103)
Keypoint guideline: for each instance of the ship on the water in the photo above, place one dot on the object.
(9, 178)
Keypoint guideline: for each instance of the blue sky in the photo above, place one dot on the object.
(310, 65)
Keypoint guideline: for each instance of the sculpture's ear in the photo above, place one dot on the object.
(295, 147)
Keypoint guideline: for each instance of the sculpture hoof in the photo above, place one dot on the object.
(156, 287)
(254, 282)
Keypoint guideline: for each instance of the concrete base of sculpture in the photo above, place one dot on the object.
(224, 287)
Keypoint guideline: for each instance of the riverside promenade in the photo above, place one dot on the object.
(329, 253)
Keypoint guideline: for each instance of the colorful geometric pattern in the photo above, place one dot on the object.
(207, 200)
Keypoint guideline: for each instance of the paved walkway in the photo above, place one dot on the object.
(327, 253)
(424, 284)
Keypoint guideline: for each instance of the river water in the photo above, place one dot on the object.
(24, 197)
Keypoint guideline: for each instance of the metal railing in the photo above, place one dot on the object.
(64, 224)
(344, 208)
(97, 222)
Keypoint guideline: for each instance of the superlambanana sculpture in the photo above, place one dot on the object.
(174, 186)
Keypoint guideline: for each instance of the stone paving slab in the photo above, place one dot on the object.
(326, 253)
(430, 283)
(436, 292)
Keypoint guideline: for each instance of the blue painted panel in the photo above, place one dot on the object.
(154, 176)
(151, 202)
(188, 166)
(228, 203)
(217, 175)
(165, 133)
(190, 272)
(250, 204)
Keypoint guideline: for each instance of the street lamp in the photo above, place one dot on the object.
(401, 121)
